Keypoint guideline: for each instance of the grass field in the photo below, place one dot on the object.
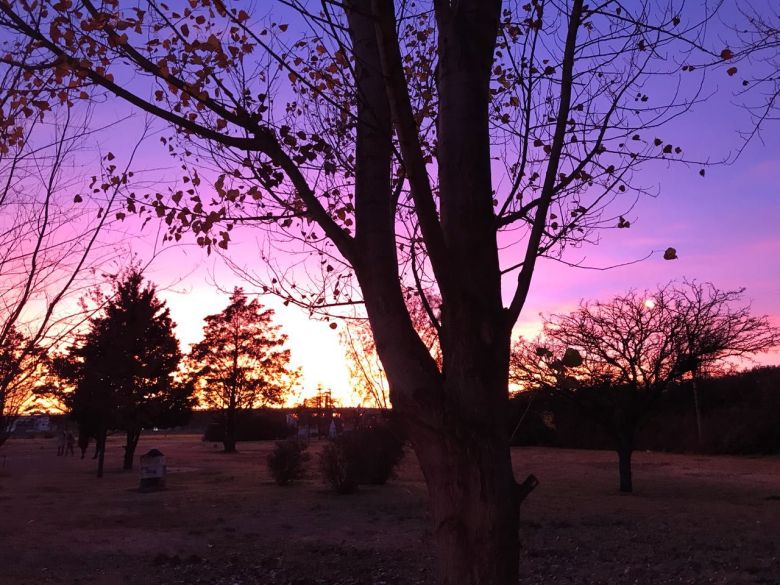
(222, 521)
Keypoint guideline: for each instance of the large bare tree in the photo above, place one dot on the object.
(615, 358)
(443, 145)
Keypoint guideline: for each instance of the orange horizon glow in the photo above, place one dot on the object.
(315, 347)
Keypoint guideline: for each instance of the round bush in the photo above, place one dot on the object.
(286, 461)
(362, 456)
(338, 463)
(379, 451)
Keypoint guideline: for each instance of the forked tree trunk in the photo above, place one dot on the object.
(455, 412)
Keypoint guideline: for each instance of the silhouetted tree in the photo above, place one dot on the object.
(122, 370)
(19, 365)
(49, 239)
(616, 357)
(241, 363)
(387, 136)
(716, 327)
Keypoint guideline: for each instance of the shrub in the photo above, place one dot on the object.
(362, 456)
(286, 461)
(379, 451)
(338, 463)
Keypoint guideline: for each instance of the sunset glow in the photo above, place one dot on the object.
(389, 291)
(702, 217)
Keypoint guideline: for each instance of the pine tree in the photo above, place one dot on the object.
(123, 368)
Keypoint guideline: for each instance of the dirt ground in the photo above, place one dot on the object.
(222, 521)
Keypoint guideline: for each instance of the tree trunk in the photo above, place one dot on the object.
(83, 440)
(625, 450)
(697, 409)
(474, 511)
(130, 445)
(229, 441)
(454, 412)
(626, 419)
(6, 422)
(471, 483)
(100, 441)
(465, 457)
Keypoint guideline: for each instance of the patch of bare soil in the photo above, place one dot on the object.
(222, 521)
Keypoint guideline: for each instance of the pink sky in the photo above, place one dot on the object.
(724, 227)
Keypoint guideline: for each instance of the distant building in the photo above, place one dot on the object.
(33, 423)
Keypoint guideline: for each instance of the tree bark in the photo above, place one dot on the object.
(625, 450)
(229, 441)
(100, 446)
(130, 445)
(474, 510)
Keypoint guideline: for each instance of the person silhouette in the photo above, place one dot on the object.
(61, 440)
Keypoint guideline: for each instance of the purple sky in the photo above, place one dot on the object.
(724, 226)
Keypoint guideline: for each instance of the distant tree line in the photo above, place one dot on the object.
(611, 366)
(740, 410)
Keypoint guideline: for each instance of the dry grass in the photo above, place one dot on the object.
(223, 520)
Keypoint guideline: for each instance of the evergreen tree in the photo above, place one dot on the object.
(242, 362)
(123, 368)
